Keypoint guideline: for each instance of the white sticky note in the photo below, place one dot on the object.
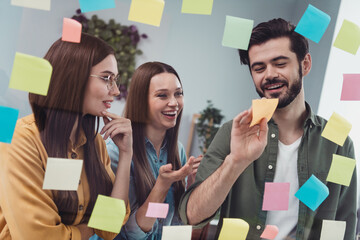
(180, 232)
(36, 4)
(334, 230)
(62, 174)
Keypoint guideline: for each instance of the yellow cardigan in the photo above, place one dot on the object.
(26, 210)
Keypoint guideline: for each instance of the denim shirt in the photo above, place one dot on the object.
(131, 230)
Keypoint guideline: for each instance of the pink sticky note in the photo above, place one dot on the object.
(71, 30)
(276, 196)
(351, 87)
(157, 210)
(270, 232)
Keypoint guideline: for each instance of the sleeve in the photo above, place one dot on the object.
(214, 157)
(348, 197)
(29, 211)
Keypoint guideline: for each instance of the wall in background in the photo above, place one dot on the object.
(190, 43)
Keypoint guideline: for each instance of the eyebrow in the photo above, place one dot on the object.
(109, 72)
(272, 60)
(164, 89)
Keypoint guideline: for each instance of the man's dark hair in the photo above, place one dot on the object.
(273, 29)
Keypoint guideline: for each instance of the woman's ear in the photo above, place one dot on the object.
(306, 64)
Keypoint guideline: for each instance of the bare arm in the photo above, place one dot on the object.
(247, 144)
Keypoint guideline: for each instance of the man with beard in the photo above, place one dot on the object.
(289, 148)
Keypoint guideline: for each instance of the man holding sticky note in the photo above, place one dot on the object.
(288, 148)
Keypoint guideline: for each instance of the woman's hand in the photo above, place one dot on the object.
(191, 177)
(119, 130)
(85, 231)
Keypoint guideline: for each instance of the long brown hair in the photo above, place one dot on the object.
(136, 110)
(58, 112)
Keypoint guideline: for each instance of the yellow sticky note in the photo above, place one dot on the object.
(341, 170)
(30, 74)
(197, 6)
(36, 4)
(234, 228)
(146, 11)
(108, 214)
(348, 38)
(71, 30)
(336, 129)
(263, 108)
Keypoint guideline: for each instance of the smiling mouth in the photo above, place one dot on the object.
(170, 113)
(107, 104)
(274, 86)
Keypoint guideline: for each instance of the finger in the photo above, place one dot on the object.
(165, 168)
(111, 115)
(263, 130)
(117, 129)
(192, 158)
(247, 117)
(121, 123)
(106, 121)
(196, 165)
(237, 119)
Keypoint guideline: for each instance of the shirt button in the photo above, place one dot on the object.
(270, 167)
(161, 160)
(272, 135)
(81, 207)
(156, 160)
(73, 155)
(258, 227)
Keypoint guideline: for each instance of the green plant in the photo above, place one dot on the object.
(123, 39)
(208, 124)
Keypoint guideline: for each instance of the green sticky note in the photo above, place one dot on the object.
(197, 6)
(234, 228)
(348, 38)
(336, 129)
(341, 170)
(146, 11)
(30, 74)
(237, 32)
(108, 214)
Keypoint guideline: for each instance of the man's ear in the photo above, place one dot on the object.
(306, 64)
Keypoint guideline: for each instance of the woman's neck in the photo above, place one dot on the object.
(156, 137)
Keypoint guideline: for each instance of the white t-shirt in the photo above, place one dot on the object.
(286, 171)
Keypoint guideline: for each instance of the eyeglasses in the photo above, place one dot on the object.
(111, 80)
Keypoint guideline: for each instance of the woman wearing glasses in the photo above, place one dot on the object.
(159, 167)
(63, 125)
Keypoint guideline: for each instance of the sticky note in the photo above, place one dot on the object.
(30, 74)
(234, 228)
(71, 30)
(237, 32)
(270, 232)
(313, 23)
(7, 123)
(341, 170)
(36, 4)
(312, 193)
(351, 87)
(178, 232)
(146, 11)
(62, 174)
(197, 6)
(95, 5)
(348, 38)
(276, 196)
(334, 230)
(263, 108)
(336, 129)
(157, 210)
(108, 214)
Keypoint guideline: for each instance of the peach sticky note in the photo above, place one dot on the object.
(263, 108)
(237, 32)
(71, 30)
(157, 210)
(341, 170)
(177, 232)
(108, 214)
(36, 4)
(146, 11)
(334, 230)
(276, 196)
(270, 232)
(348, 38)
(62, 174)
(197, 6)
(336, 129)
(351, 87)
(30, 74)
(234, 228)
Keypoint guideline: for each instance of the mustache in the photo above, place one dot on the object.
(273, 81)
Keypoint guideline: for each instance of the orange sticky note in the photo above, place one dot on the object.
(270, 232)
(336, 129)
(71, 30)
(263, 108)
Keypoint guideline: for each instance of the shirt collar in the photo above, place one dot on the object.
(149, 143)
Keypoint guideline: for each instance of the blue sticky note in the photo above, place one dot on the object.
(8, 118)
(94, 5)
(313, 24)
(312, 193)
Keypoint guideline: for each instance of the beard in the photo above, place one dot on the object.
(289, 95)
